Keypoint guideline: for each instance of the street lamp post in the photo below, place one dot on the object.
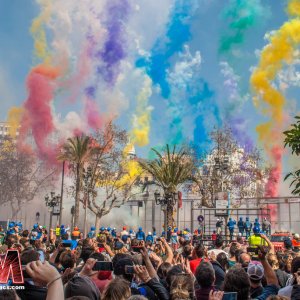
(221, 167)
(51, 202)
(166, 201)
(87, 177)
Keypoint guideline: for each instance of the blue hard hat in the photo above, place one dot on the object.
(140, 228)
(108, 229)
(93, 228)
(255, 229)
(247, 218)
(62, 226)
(35, 226)
(169, 227)
(241, 218)
(11, 224)
(102, 228)
(175, 229)
(130, 231)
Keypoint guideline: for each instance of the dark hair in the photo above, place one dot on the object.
(28, 256)
(219, 242)
(205, 274)
(25, 233)
(199, 250)
(118, 257)
(237, 254)
(7, 295)
(237, 280)
(232, 249)
(67, 260)
(86, 252)
(175, 270)
(187, 250)
(295, 265)
(223, 261)
(97, 256)
(163, 269)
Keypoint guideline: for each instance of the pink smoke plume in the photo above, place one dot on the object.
(38, 115)
(94, 119)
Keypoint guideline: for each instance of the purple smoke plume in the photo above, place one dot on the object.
(115, 46)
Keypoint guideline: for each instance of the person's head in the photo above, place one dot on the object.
(25, 233)
(199, 251)
(163, 269)
(244, 259)
(219, 242)
(181, 287)
(140, 228)
(187, 250)
(237, 280)
(120, 268)
(205, 274)
(174, 271)
(232, 249)
(295, 266)
(86, 252)
(67, 260)
(82, 286)
(223, 261)
(255, 272)
(117, 289)
(28, 256)
(8, 295)
(239, 239)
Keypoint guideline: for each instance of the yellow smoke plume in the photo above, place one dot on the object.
(38, 32)
(14, 120)
(273, 57)
(141, 120)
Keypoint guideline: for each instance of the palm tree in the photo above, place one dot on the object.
(170, 169)
(76, 151)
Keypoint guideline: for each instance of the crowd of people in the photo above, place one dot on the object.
(123, 264)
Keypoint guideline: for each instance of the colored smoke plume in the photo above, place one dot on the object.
(92, 114)
(14, 120)
(242, 15)
(115, 47)
(142, 117)
(38, 115)
(274, 56)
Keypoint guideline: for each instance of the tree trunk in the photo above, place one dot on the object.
(97, 222)
(169, 216)
(77, 199)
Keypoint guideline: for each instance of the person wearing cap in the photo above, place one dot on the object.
(92, 232)
(131, 234)
(231, 223)
(296, 242)
(266, 226)
(140, 235)
(255, 272)
(241, 226)
(149, 238)
(75, 233)
(114, 233)
(124, 232)
(248, 227)
(219, 226)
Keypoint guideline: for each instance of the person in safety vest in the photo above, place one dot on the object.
(76, 233)
(57, 231)
(255, 239)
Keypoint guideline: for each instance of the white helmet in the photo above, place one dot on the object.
(149, 233)
(296, 236)
(218, 219)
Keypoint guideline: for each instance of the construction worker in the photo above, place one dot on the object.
(57, 231)
(231, 223)
(248, 227)
(76, 233)
(255, 239)
(241, 225)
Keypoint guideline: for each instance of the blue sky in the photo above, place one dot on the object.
(207, 25)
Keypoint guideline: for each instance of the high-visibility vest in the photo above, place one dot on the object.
(76, 233)
(255, 240)
(57, 231)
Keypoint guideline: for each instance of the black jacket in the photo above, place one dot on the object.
(219, 273)
(296, 292)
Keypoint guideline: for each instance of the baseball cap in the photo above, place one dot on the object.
(296, 236)
(255, 270)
